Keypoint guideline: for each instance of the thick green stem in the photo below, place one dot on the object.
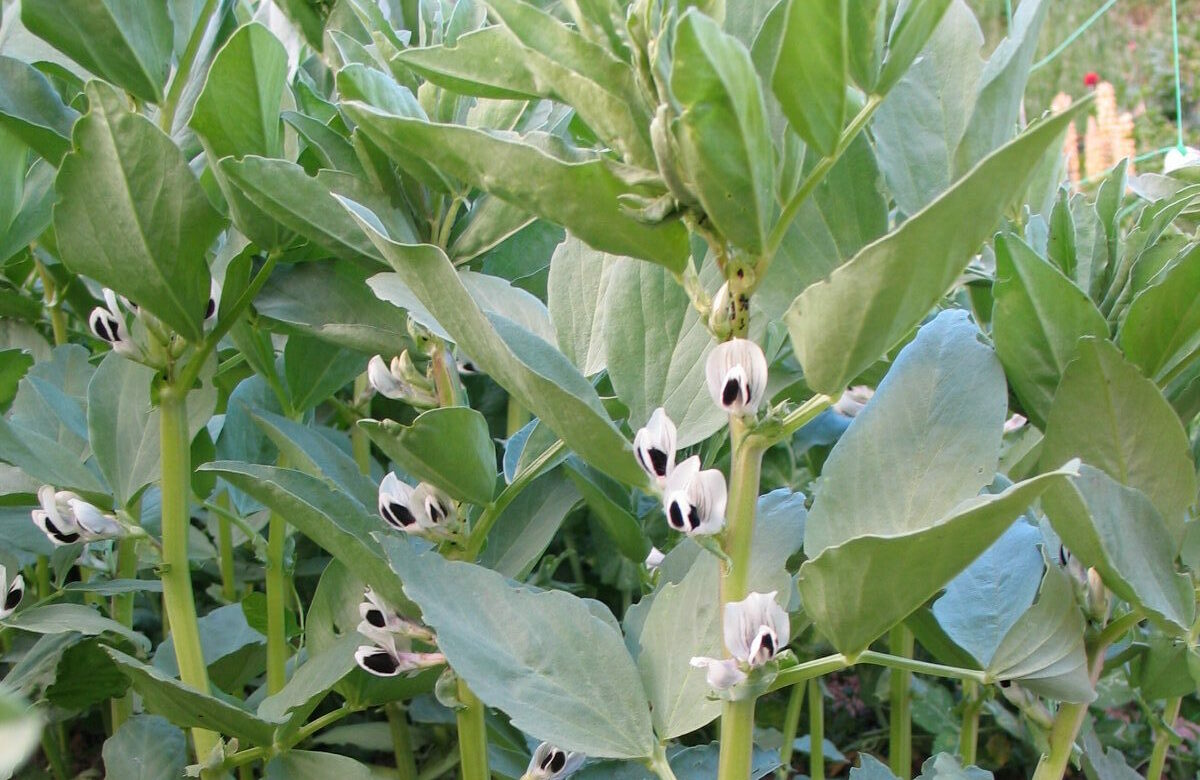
(122, 612)
(791, 724)
(1158, 758)
(737, 739)
(360, 443)
(1067, 722)
(737, 718)
(406, 762)
(277, 587)
(816, 730)
(472, 735)
(225, 544)
(968, 740)
(176, 576)
(900, 715)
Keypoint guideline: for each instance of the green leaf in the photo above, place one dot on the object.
(1113, 418)
(527, 525)
(866, 25)
(237, 112)
(560, 672)
(315, 451)
(982, 603)
(610, 506)
(537, 375)
(487, 63)
(311, 765)
(656, 345)
(115, 587)
(85, 677)
(187, 707)
(331, 301)
(331, 147)
(132, 216)
(310, 683)
(60, 618)
(1117, 530)
(310, 18)
(449, 447)
(126, 42)
(304, 204)
(722, 131)
(920, 124)
(1038, 317)
(333, 520)
(860, 302)
(31, 110)
(146, 747)
(928, 440)
(910, 31)
(315, 370)
(1044, 648)
(579, 194)
(576, 296)
(45, 459)
(123, 425)
(22, 728)
(566, 65)
(33, 213)
(1161, 331)
(810, 75)
(1002, 86)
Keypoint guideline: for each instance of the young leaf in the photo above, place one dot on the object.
(450, 448)
(527, 526)
(581, 195)
(1161, 331)
(1115, 419)
(866, 26)
(132, 216)
(126, 42)
(487, 63)
(722, 132)
(810, 75)
(1038, 317)
(315, 451)
(610, 506)
(237, 113)
(315, 370)
(560, 672)
(60, 618)
(310, 682)
(534, 372)
(859, 300)
(910, 30)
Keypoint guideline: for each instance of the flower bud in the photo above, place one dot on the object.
(694, 500)
(551, 763)
(654, 446)
(654, 559)
(11, 592)
(853, 400)
(737, 376)
(107, 323)
(389, 662)
(386, 382)
(436, 512)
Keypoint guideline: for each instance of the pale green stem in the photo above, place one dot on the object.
(58, 320)
(277, 588)
(122, 612)
(659, 765)
(968, 740)
(920, 667)
(1158, 758)
(806, 671)
(225, 544)
(178, 600)
(816, 730)
(791, 724)
(472, 735)
(737, 717)
(360, 443)
(406, 762)
(900, 715)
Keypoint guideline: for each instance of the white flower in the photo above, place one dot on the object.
(387, 382)
(423, 510)
(387, 661)
(654, 559)
(654, 446)
(694, 500)
(737, 376)
(381, 624)
(466, 365)
(66, 518)
(1176, 159)
(11, 592)
(214, 301)
(756, 628)
(1014, 423)
(551, 763)
(721, 674)
(108, 324)
(853, 400)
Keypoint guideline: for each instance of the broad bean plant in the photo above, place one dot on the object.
(496, 388)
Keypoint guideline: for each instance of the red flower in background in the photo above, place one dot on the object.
(1091, 79)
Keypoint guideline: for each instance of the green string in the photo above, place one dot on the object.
(1008, 12)
(1060, 48)
(1178, 89)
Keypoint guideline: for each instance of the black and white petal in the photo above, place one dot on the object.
(654, 446)
(553, 763)
(11, 593)
(756, 628)
(436, 513)
(736, 371)
(396, 504)
(694, 500)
